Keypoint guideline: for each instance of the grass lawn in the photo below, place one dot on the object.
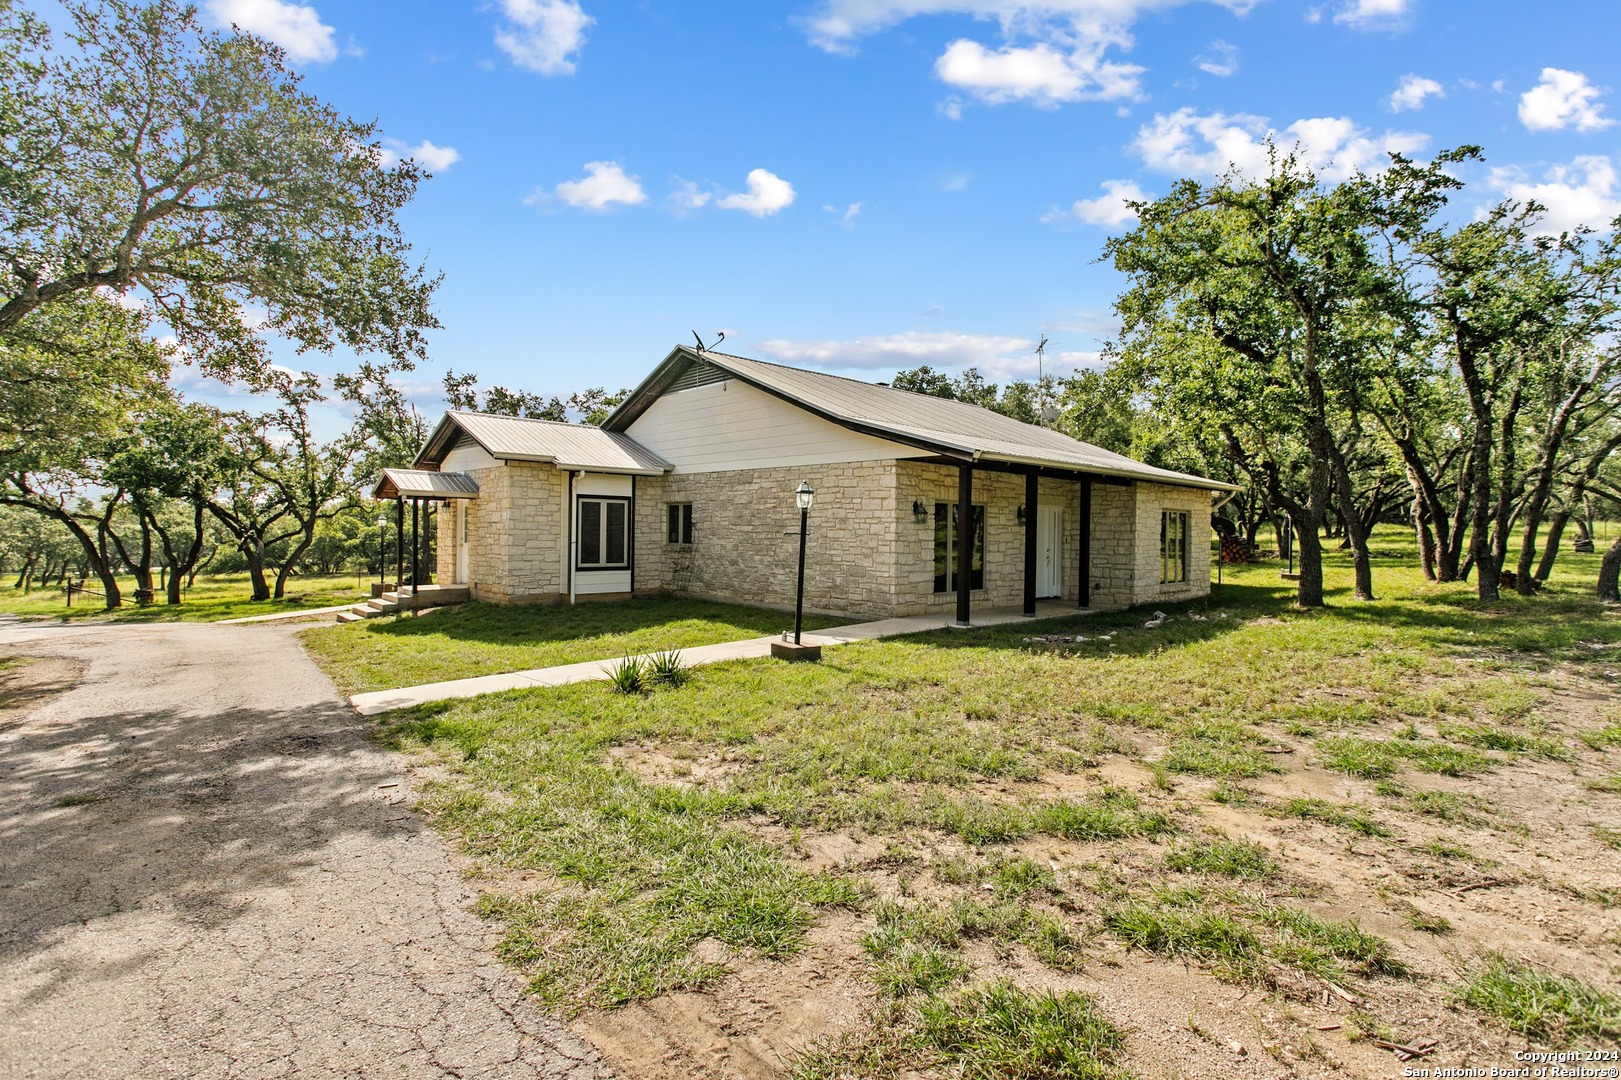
(214, 597)
(1309, 836)
(488, 639)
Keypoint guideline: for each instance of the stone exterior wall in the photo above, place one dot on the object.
(514, 534)
(746, 537)
(1152, 501)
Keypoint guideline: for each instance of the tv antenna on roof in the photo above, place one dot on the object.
(707, 348)
(1044, 409)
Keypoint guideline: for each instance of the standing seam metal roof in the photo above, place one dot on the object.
(569, 446)
(920, 419)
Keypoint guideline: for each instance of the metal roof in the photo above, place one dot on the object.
(568, 446)
(419, 484)
(941, 425)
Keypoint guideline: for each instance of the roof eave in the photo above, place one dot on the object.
(1177, 480)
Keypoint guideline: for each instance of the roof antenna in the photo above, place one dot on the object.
(719, 339)
(699, 340)
(1047, 413)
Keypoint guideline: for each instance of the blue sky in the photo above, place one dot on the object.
(865, 185)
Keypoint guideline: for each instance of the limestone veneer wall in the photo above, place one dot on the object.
(746, 536)
(1152, 501)
(515, 535)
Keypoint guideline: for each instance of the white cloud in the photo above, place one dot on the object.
(1042, 74)
(846, 215)
(295, 27)
(999, 358)
(1585, 192)
(544, 36)
(687, 197)
(1220, 60)
(950, 108)
(1372, 14)
(428, 155)
(767, 194)
(1109, 210)
(1188, 143)
(1052, 51)
(1411, 92)
(604, 184)
(1563, 99)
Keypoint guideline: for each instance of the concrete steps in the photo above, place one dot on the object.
(391, 603)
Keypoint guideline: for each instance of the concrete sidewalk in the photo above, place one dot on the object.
(752, 648)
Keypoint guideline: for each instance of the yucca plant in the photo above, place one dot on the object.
(666, 667)
(629, 676)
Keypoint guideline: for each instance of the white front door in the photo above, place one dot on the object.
(461, 542)
(1049, 551)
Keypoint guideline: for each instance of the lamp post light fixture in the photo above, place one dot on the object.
(805, 497)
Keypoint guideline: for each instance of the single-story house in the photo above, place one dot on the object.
(688, 488)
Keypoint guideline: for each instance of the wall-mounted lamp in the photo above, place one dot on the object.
(919, 511)
(1020, 515)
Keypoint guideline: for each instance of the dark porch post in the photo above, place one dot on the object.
(399, 544)
(965, 540)
(1085, 591)
(416, 545)
(1031, 484)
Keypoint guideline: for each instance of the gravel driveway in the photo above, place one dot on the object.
(206, 871)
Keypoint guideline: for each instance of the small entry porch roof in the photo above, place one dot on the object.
(422, 484)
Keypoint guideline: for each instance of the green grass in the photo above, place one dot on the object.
(214, 597)
(1609, 784)
(947, 749)
(488, 639)
(999, 1031)
(1554, 1009)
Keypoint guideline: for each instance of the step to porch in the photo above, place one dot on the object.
(406, 599)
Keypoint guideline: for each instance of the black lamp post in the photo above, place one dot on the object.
(804, 496)
(382, 547)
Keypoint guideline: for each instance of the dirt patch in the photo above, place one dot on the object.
(752, 1023)
(27, 682)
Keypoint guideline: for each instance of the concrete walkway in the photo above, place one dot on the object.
(283, 616)
(381, 701)
(207, 871)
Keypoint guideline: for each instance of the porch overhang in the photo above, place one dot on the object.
(422, 484)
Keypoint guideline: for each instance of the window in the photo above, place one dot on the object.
(680, 522)
(603, 535)
(1173, 547)
(945, 548)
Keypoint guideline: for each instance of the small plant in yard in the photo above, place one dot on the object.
(1607, 836)
(1542, 1005)
(1000, 1030)
(629, 676)
(667, 668)
(1232, 858)
(1347, 817)
(1610, 784)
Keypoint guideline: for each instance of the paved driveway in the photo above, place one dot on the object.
(205, 871)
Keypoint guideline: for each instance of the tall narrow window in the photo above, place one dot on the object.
(1173, 547)
(603, 536)
(680, 524)
(945, 548)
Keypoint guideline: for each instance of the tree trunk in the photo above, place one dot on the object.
(1356, 535)
(1550, 544)
(1609, 573)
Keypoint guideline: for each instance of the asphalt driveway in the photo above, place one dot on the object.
(206, 871)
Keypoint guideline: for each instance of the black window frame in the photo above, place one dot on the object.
(946, 583)
(678, 524)
(603, 501)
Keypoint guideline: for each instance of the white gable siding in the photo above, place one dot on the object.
(731, 425)
(466, 458)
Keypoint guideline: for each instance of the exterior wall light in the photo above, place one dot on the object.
(1020, 515)
(920, 512)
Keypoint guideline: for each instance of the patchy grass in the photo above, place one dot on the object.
(1000, 1031)
(1541, 1005)
(214, 597)
(488, 639)
(951, 788)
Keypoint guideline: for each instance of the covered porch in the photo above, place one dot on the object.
(425, 491)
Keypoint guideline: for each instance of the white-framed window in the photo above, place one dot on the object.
(1173, 547)
(678, 522)
(602, 533)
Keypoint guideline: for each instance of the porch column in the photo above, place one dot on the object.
(965, 540)
(399, 543)
(1085, 590)
(1031, 483)
(416, 544)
